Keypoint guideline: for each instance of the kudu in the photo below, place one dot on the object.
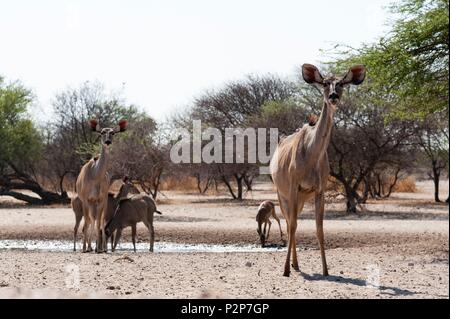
(300, 166)
(112, 203)
(265, 211)
(130, 211)
(92, 187)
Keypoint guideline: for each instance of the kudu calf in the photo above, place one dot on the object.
(265, 211)
(111, 206)
(130, 211)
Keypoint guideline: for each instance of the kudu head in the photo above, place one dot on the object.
(333, 86)
(262, 237)
(107, 133)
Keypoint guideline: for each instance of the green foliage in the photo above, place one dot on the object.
(409, 66)
(74, 107)
(20, 141)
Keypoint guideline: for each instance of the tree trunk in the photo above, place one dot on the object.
(239, 185)
(46, 198)
(230, 189)
(351, 204)
(199, 184)
(156, 183)
(351, 200)
(29, 199)
(436, 175)
(248, 180)
(391, 185)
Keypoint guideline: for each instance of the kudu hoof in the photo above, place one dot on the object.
(286, 273)
(296, 268)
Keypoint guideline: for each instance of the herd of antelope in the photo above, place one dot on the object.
(299, 170)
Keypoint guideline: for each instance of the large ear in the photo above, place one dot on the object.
(94, 125)
(355, 75)
(122, 125)
(311, 74)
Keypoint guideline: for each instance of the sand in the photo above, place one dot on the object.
(395, 248)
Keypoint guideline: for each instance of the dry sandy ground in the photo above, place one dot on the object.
(400, 245)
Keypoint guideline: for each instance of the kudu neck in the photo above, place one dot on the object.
(102, 162)
(322, 132)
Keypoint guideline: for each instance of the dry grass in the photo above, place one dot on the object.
(173, 183)
(406, 185)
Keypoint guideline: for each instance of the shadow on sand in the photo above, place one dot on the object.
(392, 291)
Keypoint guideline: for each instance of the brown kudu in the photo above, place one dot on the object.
(92, 187)
(265, 211)
(300, 166)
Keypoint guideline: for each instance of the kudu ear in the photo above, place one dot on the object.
(355, 75)
(311, 74)
(121, 126)
(95, 127)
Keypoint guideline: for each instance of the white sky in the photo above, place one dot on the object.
(164, 53)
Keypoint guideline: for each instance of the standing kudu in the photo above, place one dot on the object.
(92, 188)
(300, 166)
(112, 203)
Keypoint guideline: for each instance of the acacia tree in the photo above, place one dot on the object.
(432, 136)
(409, 65)
(21, 147)
(70, 141)
(232, 107)
(140, 155)
(364, 142)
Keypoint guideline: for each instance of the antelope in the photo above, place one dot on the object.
(130, 211)
(113, 202)
(300, 167)
(265, 211)
(92, 187)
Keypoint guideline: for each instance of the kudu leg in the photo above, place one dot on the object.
(151, 231)
(292, 231)
(85, 229)
(289, 210)
(117, 238)
(133, 236)
(152, 237)
(75, 232)
(264, 229)
(112, 241)
(99, 231)
(274, 215)
(293, 225)
(91, 230)
(319, 205)
(268, 231)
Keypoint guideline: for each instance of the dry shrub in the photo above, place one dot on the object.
(173, 183)
(403, 185)
(406, 185)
